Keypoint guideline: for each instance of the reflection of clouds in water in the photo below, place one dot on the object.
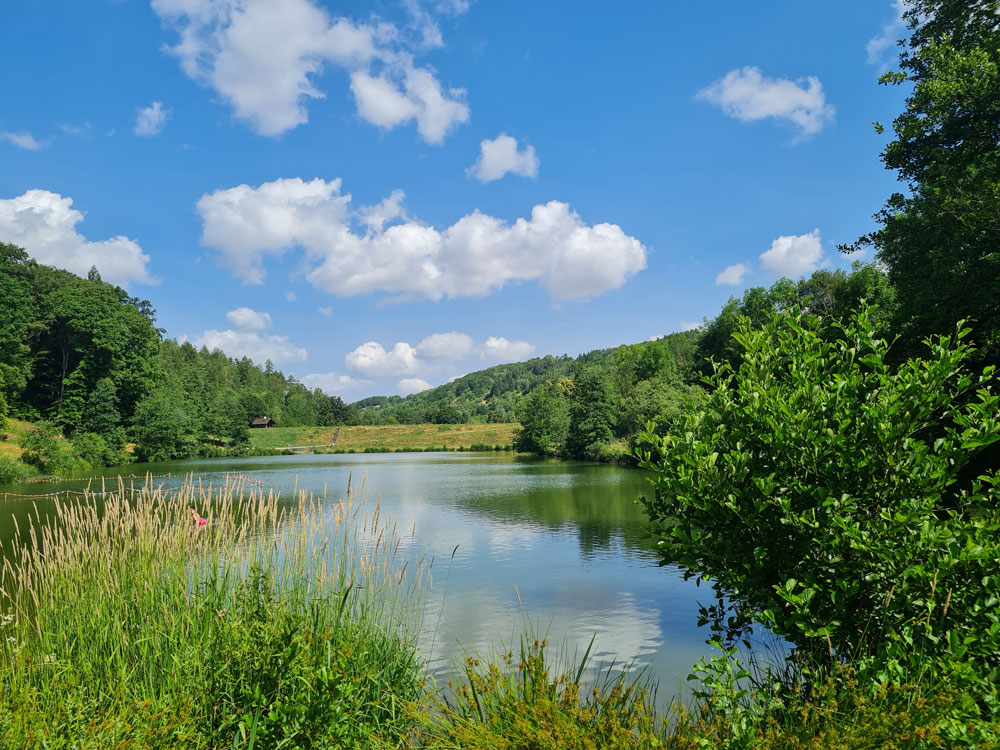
(482, 623)
(505, 539)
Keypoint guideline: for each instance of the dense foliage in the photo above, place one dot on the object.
(827, 495)
(940, 238)
(86, 360)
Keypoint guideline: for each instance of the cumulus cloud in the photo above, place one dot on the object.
(501, 156)
(23, 140)
(264, 57)
(453, 345)
(325, 310)
(499, 349)
(431, 355)
(150, 121)
(406, 386)
(794, 255)
(245, 319)
(44, 224)
(252, 344)
(746, 95)
(372, 359)
(885, 40)
(474, 257)
(687, 325)
(733, 275)
(331, 382)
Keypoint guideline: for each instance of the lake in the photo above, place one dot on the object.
(549, 545)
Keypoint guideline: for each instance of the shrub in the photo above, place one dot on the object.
(12, 470)
(828, 496)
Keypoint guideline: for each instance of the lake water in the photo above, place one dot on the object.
(568, 536)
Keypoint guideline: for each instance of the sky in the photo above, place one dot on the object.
(380, 197)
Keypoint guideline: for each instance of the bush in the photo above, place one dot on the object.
(44, 449)
(12, 470)
(828, 496)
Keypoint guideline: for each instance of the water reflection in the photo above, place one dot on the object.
(516, 542)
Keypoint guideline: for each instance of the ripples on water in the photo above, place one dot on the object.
(554, 547)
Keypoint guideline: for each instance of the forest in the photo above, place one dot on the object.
(82, 359)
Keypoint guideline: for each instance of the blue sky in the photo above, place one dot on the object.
(382, 196)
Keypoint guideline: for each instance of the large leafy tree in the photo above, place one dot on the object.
(544, 416)
(590, 413)
(825, 492)
(17, 309)
(940, 238)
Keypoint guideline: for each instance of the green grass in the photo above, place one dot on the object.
(16, 429)
(265, 629)
(388, 438)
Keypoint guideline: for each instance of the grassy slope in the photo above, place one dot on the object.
(389, 437)
(14, 430)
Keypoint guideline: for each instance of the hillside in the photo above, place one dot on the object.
(493, 395)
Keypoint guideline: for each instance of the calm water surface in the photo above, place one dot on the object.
(567, 535)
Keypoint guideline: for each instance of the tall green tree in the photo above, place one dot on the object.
(590, 413)
(100, 415)
(164, 427)
(544, 416)
(940, 238)
(17, 310)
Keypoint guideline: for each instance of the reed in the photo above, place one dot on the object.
(276, 623)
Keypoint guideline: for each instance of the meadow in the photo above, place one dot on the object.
(387, 438)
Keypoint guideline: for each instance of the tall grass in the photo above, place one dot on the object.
(129, 626)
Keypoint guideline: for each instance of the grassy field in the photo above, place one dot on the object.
(387, 438)
(12, 433)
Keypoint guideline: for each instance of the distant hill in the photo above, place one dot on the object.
(493, 394)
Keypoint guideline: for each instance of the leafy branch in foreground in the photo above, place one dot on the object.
(832, 497)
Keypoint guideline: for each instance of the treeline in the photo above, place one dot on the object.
(495, 395)
(85, 360)
(597, 410)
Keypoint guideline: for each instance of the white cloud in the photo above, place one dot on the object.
(746, 95)
(733, 275)
(251, 344)
(794, 255)
(331, 382)
(149, 121)
(406, 386)
(453, 345)
(245, 319)
(499, 349)
(687, 325)
(500, 156)
(474, 257)
(291, 296)
(23, 140)
(885, 40)
(265, 56)
(373, 360)
(326, 311)
(71, 128)
(44, 223)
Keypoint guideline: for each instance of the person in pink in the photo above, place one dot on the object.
(198, 520)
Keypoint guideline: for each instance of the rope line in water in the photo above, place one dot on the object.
(5, 495)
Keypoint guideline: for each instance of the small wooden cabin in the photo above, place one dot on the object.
(263, 422)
